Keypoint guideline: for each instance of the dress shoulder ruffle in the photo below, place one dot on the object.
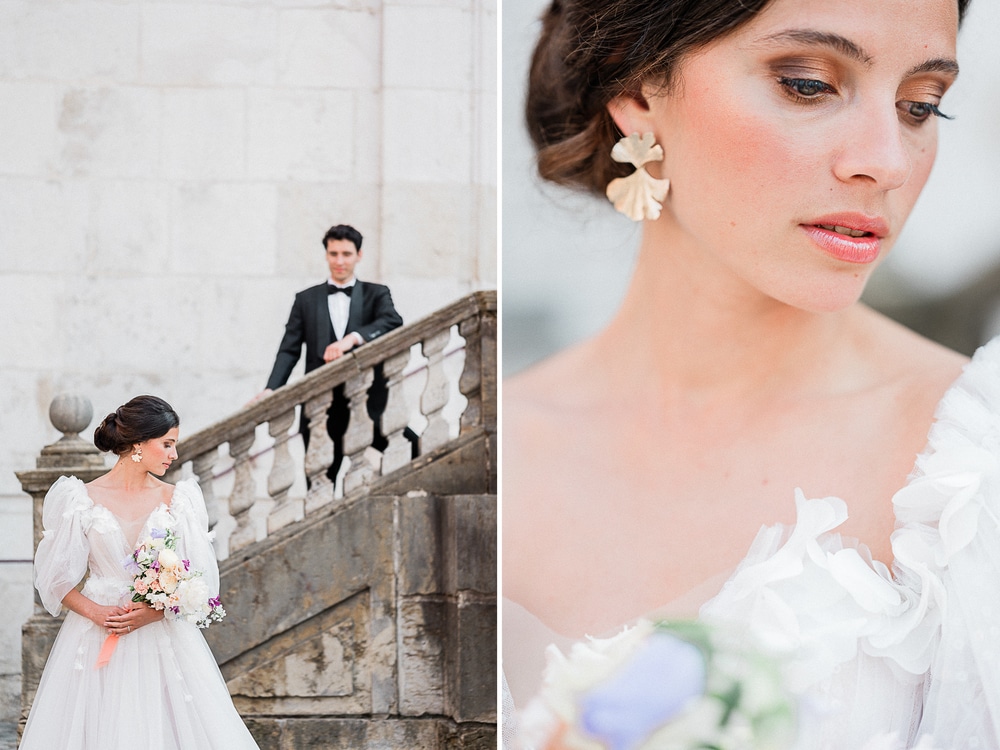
(61, 557)
(949, 534)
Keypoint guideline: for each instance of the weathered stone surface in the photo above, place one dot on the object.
(472, 658)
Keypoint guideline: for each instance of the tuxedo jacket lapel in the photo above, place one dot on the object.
(323, 327)
(355, 316)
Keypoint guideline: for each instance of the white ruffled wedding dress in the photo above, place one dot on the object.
(911, 654)
(162, 689)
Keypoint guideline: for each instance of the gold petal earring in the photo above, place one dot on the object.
(639, 195)
(137, 453)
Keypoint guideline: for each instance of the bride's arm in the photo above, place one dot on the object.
(98, 614)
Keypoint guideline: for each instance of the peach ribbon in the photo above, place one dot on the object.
(106, 650)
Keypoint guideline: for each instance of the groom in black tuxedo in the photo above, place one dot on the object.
(331, 319)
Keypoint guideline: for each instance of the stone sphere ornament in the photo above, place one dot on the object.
(70, 414)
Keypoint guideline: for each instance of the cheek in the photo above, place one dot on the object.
(740, 167)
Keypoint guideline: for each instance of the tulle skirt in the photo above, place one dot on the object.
(162, 690)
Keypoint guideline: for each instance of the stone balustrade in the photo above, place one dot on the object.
(471, 319)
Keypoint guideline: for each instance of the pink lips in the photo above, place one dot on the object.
(850, 237)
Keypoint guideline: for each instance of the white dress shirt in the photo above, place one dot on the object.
(340, 310)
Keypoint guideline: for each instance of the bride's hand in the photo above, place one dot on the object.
(100, 614)
(128, 621)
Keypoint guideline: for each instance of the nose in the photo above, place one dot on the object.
(874, 150)
(172, 455)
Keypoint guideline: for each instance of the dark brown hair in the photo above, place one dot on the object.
(143, 418)
(591, 51)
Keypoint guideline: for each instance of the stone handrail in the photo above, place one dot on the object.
(474, 317)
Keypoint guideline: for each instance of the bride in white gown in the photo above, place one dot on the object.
(161, 688)
(745, 441)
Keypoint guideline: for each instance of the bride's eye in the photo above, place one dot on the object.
(805, 89)
(918, 112)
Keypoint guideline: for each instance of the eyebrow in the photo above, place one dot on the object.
(812, 38)
(846, 47)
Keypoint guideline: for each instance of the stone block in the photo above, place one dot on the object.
(23, 334)
(368, 112)
(439, 36)
(472, 660)
(69, 41)
(420, 545)
(324, 48)
(28, 121)
(470, 533)
(485, 40)
(486, 244)
(301, 135)
(109, 131)
(422, 655)
(43, 231)
(427, 136)
(129, 231)
(424, 227)
(322, 660)
(202, 44)
(222, 228)
(298, 574)
(203, 133)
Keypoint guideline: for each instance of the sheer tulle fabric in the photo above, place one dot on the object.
(162, 689)
(894, 659)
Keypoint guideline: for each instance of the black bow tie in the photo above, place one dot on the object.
(331, 289)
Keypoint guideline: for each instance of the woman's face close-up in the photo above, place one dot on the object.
(797, 146)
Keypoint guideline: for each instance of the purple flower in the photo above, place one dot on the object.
(156, 565)
(653, 687)
(175, 610)
(158, 534)
(132, 567)
(187, 564)
(214, 602)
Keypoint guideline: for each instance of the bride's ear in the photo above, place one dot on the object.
(631, 113)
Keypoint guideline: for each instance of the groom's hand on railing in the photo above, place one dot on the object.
(259, 396)
(338, 349)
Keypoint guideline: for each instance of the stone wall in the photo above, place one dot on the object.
(167, 170)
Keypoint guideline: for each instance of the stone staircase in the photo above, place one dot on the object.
(357, 618)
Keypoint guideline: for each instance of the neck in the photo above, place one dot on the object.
(128, 475)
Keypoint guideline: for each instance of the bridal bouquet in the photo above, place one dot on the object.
(662, 686)
(164, 581)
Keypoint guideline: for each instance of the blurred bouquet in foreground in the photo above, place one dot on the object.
(164, 581)
(662, 686)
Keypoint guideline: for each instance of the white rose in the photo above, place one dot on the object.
(169, 559)
(192, 595)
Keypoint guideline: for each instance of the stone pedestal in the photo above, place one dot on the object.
(70, 455)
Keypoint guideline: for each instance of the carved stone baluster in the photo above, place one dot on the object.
(320, 453)
(435, 395)
(488, 365)
(470, 384)
(282, 475)
(396, 414)
(359, 431)
(203, 465)
(242, 498)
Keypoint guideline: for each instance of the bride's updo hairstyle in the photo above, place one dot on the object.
(143, 418)
(592, 51)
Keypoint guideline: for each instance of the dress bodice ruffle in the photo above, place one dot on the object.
(902, 657)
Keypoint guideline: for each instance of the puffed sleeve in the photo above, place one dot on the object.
(61, 558)
(194, 542)
(951, 522)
